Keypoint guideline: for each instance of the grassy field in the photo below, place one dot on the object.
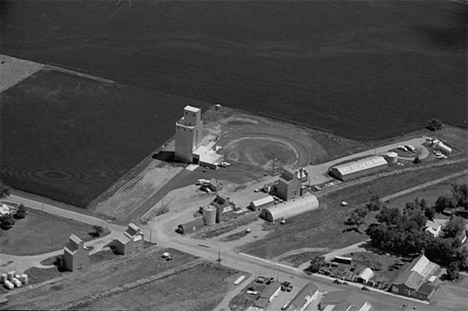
(102, 277)
(363, 69)
(452, 295)
(325, 227)
(41, 233)
(78, 136)
(197, 289)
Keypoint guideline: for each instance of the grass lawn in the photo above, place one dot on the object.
(103, 276)
(452, 295)
(325, 227)
(200, 288)
(297, 259)
(40, 233)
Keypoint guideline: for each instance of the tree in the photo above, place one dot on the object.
(7, 222)
(316, 263)
(417, 160)
(375, 204)
(453, 272)
(434, 125)
(454, 227)
(423, 204)
(357, 217)
(4, 191)
(429, 212)
(21, 212)
(389, 215)
(443, 202)
(97, 231)
(460, 194)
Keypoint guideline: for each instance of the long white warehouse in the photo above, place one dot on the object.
(291, 208)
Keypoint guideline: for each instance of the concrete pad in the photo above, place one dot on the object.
(14, 70)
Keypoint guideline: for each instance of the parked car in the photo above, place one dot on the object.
(365, 288)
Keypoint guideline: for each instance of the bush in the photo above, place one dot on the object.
(7, 222)
(21, 212)
(97, 231)
(434, 125)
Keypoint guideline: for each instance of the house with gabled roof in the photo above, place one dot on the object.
(304, 298)
(75, 254)
(415, 280)
(131, 240)
(344, 301)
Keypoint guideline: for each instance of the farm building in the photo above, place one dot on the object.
(290, 182)
(355, 169)
(288, 209)
(75, 254)
(414, 280)
(268, 294)
(365, 275)
(304, 298)
(262, 203)
(191, 226)
(189, 130)
(344, 300)
(131, 241)
(225, 208)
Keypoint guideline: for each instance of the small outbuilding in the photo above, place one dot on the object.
(291, 208)
(262, 203)
(75, 254)
(365, 275)
(191, 226)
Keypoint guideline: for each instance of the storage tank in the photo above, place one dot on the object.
(8, 285)
(24, 278)
(17, 282)
(10, 275)
(209, 215)
(391, 157)
(3, 278)
(444, 148)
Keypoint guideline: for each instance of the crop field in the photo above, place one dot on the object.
(70, 138)
(362, 69)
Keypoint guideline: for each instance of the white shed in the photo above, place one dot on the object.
(262, 203)
(365, 275)
(288, 209)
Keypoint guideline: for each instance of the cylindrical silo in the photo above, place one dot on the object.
(11, 275)
(8, 285)
(3, 278)
(391, 157)
(209, 215)
(24, 278)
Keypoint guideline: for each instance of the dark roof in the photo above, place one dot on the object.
(196, 222)
(270, 290)
(300, 299)
(287, 174)
(344, 300)
(261, 302)
(426, 289)
(132, 229)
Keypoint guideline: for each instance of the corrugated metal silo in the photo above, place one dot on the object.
(209, 215)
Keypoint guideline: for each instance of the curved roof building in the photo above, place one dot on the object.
(288, 209)
(358, 168)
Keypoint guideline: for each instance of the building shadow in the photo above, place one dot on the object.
(165, 156)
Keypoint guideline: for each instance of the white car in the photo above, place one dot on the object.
(224, 164)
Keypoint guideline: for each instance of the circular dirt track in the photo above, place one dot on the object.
(261, 149)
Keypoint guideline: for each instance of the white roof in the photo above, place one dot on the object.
(263, 201)
(191, 108)
(424, 267)
(360, 165)
(366, 274)
(300, 205)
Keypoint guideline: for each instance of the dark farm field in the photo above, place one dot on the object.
(69, 138)
(363, 69)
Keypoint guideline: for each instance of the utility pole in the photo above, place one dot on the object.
(277, 274)
(219, 256)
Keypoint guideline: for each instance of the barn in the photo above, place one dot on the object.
(288, 209)
(355, 169)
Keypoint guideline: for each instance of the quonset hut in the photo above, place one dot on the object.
(288, 209)
(355, 169)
